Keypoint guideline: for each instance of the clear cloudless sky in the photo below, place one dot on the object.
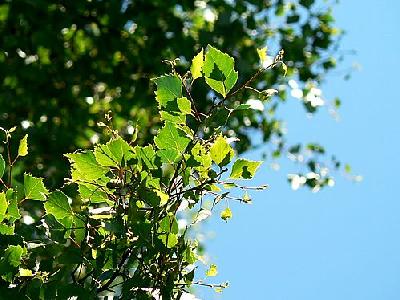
(343, 242)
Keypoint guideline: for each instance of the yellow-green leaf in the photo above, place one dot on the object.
(221, 152)
(285, 69)
(25, 273)
(3, 205)
(34, 188)
(244, 169)
(23, 146)
(197, 65)
(212, 271)
(2, 166)
(262, 54)
(219, 71)
(226, 214)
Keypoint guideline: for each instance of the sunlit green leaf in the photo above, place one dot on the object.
(25, 272)
(197, 65)
(244, 169)
(219, 71)
(92, 193)
(221, 152)
(58, 206)
(7, 229)
(226, 214)
(34, 188)
(173, 140)
(146, 156)
(80, 228)
(112, 153)
(10, 260)
(169, 88)
(246, 198)
(23, 146)
(3, 205)
(212, 271)
(2, 165)
(168, 230)
(85, 166)
(262, 54)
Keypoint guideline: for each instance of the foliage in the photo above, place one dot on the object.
(65, 63)
(114, 226)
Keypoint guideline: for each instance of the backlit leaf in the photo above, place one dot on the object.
(226, 214)
(221, 152)
(262, 54)
(219, 71)
(23, 146)
(34, 188)
(169, 87)
(212, 271)
(58, 206)
(197, 65)
(85, 166)
(2, 165)
(244, 169)
(112, 153)
(3, 205)
(172, 139)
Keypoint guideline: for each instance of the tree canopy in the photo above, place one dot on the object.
(122, 223)
(63, 64)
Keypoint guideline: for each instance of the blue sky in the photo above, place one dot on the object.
(341, 243)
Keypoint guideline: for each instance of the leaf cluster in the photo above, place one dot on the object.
(116, 224)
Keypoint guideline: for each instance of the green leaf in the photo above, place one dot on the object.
(13, 255)
(197, 65)
(10, 260)
(34, 188)
(173, 107)
(262, 54)
(7, 229)
(284, 68)
(163, 197)
(2, 166)
(172, 139)
(153, 197)
(25, 272)
(168, 224)
(221, 152)
(112, 153)
(23, 146)
(169, 239)
(184, 105)
(3, 206)
(244, 169)
(80, 231)
(201, 156)
(85, 166)
(246, 198)
(13, 210)
(146, 156)
(169, 87)
(226, 214)
(58, 206)
(168, 155)
(219, 71)
(168, 231)
(92, 193)
(212, 271)
(242, 107)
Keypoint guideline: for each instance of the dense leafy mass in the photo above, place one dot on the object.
(65, 63)
(121, 224)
